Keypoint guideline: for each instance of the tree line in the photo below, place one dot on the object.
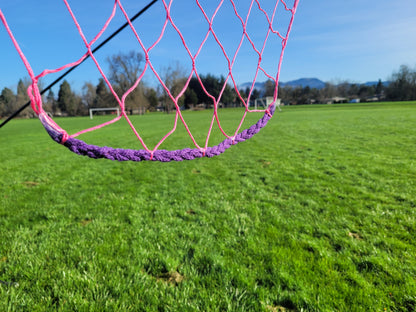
(125, 69)
(400, 87)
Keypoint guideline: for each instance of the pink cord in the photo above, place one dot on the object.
(36, 100)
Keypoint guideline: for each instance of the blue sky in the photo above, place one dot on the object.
(351, 40)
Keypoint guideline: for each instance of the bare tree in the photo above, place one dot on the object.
(49, 104)
(88, 94)
(22, 97)
(328, 92)
(174, 77)
(125, 69)
(403, 85)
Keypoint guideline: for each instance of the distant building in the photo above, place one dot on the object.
(373, 99)
(336, 99)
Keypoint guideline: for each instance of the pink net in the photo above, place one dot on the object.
(244, 41)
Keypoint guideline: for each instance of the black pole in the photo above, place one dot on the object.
(72, 68)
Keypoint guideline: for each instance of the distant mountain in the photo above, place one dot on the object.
(257, 85)
(374, 83)
(302, 82)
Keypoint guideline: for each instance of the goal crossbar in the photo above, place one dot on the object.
(264, 102)
(104, 109)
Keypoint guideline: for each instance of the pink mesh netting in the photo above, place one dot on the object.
(207, 14)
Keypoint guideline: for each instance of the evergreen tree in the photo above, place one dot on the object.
(196, 87)
(403, 85)
(379, 87)
(7, 102)
(228, 94)
(191, 98)
(255, 94)
(22, 97)
(269, 88)
(151, 96)
(50, 102)
(103, 96)
(2, 108)
(67, 101)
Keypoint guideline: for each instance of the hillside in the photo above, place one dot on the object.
(302, 82)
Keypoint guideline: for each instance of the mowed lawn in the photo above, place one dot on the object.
(315, 213)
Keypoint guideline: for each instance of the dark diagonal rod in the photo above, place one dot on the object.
(72, 68)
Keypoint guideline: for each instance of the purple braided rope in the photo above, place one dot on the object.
(81, 148)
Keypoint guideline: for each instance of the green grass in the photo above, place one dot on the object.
(315, 213)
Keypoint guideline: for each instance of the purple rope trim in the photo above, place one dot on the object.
(81, 148)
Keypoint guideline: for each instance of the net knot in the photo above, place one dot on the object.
(65, 137)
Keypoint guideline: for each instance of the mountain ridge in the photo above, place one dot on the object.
(303, 82)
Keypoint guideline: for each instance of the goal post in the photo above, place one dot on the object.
(264, 102)
(104, 109)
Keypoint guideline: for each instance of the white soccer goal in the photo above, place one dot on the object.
(264, 102)
(104, 109)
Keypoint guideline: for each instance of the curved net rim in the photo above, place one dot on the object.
(80, 147)
(93, 151)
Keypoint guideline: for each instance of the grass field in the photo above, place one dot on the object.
(315, 213)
